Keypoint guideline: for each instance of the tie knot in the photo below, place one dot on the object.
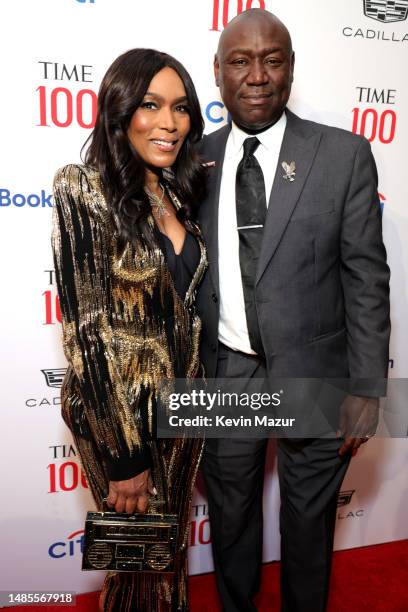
(250, 146)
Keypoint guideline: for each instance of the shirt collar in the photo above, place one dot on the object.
(269, 138)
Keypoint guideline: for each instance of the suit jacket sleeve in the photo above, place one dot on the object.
(365, 279)
(81, 249)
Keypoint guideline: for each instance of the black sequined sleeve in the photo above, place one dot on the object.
(81, 249)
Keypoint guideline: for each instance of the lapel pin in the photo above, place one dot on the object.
(290, 170)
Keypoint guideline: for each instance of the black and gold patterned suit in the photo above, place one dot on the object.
(125, 329)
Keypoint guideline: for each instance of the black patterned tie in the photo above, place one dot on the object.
(251, 214)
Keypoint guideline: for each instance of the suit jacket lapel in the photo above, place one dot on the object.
(208, 213)
(300, 144)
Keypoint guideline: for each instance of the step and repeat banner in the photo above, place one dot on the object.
(351, 59)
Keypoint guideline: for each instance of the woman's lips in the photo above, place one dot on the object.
(166, 146)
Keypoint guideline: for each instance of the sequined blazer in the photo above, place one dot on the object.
(125, 328)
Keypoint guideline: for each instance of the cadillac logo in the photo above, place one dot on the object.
(54, 377)
(344, 497)
(386, 10)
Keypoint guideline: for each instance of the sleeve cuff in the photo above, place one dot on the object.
(126, 467)
(368, 387)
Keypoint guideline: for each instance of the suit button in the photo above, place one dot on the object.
(214, 298)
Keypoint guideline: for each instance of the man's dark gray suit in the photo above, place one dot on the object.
(321, 294)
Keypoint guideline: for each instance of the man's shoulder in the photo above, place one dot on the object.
(214, 136)
(211, 142)
(331, 135)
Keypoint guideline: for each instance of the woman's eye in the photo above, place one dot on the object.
(182, 108)
(148, 105)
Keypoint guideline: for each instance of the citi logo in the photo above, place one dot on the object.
(32, 200)
(216, 112)
(74, 544)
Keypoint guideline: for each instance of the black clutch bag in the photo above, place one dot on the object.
(130, 542)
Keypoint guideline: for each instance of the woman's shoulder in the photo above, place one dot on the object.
(82, 183)
(72, 175)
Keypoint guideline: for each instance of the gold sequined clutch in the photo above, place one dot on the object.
(130, 542)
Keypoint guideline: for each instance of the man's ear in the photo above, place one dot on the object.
(216, 70)
(292, 62)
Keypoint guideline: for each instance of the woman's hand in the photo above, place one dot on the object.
(131, 495)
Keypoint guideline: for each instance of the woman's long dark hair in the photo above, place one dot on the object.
(121, 168)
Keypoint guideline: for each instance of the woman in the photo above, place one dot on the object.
(128, 259)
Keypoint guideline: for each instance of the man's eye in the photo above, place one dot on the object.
(148, 105)
(273, 61)
(239, 62)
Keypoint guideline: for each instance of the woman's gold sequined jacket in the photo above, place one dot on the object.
(125, 328)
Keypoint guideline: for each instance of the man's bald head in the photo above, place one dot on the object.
(254, 68)
(264, 18)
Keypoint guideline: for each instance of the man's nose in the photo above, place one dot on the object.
(167, 120)
(257, 74)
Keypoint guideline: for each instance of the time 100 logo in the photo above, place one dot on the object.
(372, 124)
(375, 122)
(222, 9)
(67, 476)
(63, 105)
(60, 107)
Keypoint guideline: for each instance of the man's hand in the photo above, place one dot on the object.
(131, 495)
(358, 421)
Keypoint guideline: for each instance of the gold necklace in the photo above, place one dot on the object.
(158, 202)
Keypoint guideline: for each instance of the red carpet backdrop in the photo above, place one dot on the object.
(351, 58)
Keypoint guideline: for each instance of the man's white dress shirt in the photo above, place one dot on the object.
(232, 328)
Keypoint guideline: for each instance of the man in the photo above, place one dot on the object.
(297, 287)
